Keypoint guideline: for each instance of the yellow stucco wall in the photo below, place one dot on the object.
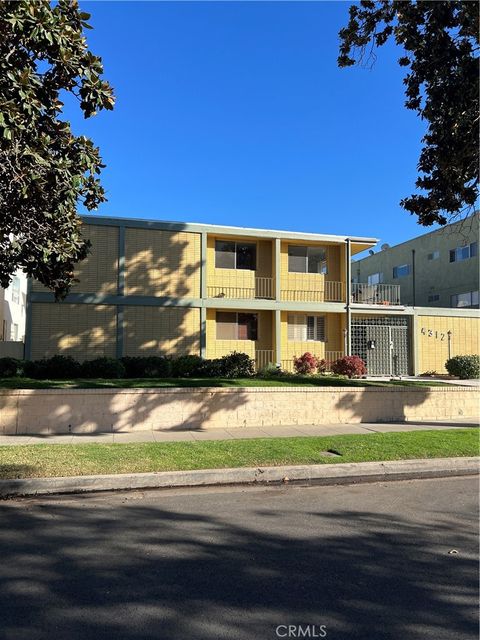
(162, 263)
(83, 331)
(240, 282)
(432, 340)
(98, 273)
(153, 331)
(312, 287)
(217, 348)
(334, 323)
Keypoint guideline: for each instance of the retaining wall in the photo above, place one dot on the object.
(105, 410)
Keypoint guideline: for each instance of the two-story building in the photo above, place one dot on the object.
(167, 288)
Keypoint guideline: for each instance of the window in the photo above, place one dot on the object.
(375, 278)
(468, 299)
(236, 326)
(307, 259)
(463, 253)
(302, 328)
(16, 289)
(235, 255)
(434, 297)
(401, 271)
(434, 255)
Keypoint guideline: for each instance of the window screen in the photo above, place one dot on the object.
(317, 260)
(226, 325)
(297, 259)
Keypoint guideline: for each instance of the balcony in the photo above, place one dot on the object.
(378, 294)
(260, 288)
(327, 291)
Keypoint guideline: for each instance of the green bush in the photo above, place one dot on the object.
(147, 367)
(54, 368)
(237, 365)
(10, 367)
(187, 366)
(464, 367)
(272, 371)
(102, 368)
(211, 368)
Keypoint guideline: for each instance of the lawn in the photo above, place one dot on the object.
(47, 460)
(151, 383)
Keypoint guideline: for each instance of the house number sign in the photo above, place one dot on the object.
(438, 335)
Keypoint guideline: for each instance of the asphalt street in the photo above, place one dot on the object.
(378, 561)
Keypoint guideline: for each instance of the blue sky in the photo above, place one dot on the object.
(236, 113)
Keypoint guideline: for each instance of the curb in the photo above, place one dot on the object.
(323, 474)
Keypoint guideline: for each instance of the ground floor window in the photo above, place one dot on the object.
(468, 299)
(236, 326)
(303, 328)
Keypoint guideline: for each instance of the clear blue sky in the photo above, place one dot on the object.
(236, 113)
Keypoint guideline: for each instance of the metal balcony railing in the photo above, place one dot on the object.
(264, 289)
(384, 294)
(263, 357)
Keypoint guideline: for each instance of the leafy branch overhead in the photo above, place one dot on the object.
(45, 170)
(440, 41)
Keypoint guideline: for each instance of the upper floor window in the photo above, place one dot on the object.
(15, 289)
(434, 255)
(463, 253)
(307, 259)
(237, 326)
(235, 255)
(468, 299)
(401, 271)
(375, 278)
(304, 328)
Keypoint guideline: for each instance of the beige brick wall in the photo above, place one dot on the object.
(162, 263)
(89, 410)
(83, 331)
(98, 273)
(161, 330)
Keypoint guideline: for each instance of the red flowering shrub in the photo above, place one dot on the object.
(350, 366)
(305, 364)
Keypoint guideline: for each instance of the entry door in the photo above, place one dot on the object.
(399, 341)
(379, 350)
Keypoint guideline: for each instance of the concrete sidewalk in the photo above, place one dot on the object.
(235, 433)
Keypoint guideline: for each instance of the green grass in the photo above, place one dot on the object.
(149, 383)
(47, 460)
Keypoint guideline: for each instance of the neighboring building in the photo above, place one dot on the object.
(165, 288)
(13, 302)
(437, 269)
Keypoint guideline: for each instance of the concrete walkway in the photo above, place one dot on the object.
(235, 434)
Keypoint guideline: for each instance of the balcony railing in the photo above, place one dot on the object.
(264, 289)
(384, 294)
(330, 291)
(264, 357)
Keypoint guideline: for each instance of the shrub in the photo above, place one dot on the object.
(10, 367)
(54, 368)
(237, 365)
(271, 371)
(211, 368)
(147, 367)
(103, 368)
(306, 364)
(350, 366)
(186, 366)
(464, 367)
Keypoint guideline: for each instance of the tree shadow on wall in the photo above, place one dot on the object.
(91, 570)
(364, 404)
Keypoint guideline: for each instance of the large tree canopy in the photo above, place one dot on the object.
(440, 42)
(45, 170)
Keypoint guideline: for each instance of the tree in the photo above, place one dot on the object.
(440, 42)
(45, 170)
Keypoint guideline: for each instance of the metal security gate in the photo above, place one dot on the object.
(383, 343)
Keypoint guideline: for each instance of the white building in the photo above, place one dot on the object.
(13, 309)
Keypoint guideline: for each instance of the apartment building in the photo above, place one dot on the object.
(437, 269)
(13, 301)
(153, 288)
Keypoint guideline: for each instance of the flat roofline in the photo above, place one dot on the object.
(221, 229)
